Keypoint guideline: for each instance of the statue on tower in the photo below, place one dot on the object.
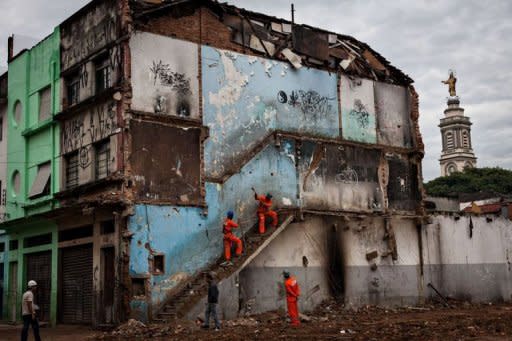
(451, 84)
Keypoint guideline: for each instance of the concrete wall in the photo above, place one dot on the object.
(245, 98)
(469, 257)
(389, 281)
(164, 75)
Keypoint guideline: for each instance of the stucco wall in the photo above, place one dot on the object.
(164, 75)
(244, 98)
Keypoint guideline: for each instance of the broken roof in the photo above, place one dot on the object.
(281, 39)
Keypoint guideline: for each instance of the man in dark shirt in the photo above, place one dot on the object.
(213, 300)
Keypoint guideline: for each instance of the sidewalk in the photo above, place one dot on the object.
(60, 333)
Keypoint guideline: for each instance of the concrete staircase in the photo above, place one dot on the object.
(196, 288)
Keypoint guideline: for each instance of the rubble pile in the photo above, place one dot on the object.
(137, 329)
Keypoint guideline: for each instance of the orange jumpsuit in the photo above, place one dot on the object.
(292, 295)
(229, 238)
(265, 211)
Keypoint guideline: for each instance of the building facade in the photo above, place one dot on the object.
(162, 118)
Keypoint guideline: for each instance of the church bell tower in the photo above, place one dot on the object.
(457, 152)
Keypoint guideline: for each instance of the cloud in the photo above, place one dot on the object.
(423, 38)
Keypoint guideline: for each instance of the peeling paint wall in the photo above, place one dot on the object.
(246, 97)
(358, 109)
(190, 237)
(392, 104)
(335, 177)
(469, 257)
(164, 75)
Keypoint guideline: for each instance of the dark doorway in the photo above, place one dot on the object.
(39, 269)
(108, 284)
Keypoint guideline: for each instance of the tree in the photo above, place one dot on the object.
(472, 180)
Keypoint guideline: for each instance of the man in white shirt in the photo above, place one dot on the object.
(28, 311)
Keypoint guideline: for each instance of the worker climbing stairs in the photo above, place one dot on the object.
(196, 288)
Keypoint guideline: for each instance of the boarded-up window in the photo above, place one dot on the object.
(166, 162)
(72, 170)
(41, 184)
(102, 158)
(45, 103)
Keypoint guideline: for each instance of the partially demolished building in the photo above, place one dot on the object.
(168, 115)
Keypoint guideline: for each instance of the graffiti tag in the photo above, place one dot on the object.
(166, 77)
(360, 114)
(309, 102)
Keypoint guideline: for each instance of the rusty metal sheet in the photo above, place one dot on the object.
(403, 191)
(311, 43)
(166, 162)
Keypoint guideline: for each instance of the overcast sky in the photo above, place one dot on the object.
(422, 38)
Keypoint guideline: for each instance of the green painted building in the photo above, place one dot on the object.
(31, 250)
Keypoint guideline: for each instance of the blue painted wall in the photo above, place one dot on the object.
(358, 110)
(246, 97)
(190, 239)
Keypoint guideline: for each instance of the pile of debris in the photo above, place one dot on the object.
(134, 328)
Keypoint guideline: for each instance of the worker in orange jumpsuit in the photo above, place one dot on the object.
(264, 210)
(229, 238)
(292, 296)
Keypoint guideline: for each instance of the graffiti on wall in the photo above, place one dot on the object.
(165, 76)
(358, 109)
(89, 33)
(246, 97)
(81, 131)
(164, 83)
(309, 102)
(360, 114)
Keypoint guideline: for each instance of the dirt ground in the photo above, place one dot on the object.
(460, 321)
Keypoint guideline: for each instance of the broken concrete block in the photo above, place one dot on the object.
(371, 255)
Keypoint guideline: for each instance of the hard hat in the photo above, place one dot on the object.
(230, 214)
(286, 274)
(32, 283)
(269, 196)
